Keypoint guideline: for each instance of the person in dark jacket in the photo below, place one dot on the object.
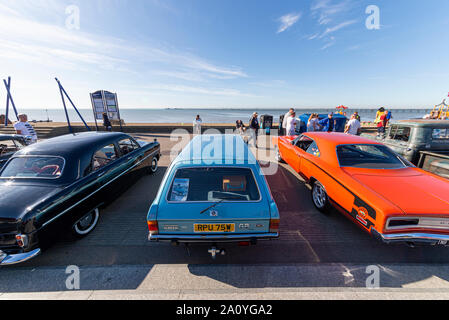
(329, 123)
(106, 122)
(254, 126)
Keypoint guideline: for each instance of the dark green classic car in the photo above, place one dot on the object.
(425, 143)
(61, 183)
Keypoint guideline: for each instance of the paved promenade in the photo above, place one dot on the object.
(317, 256)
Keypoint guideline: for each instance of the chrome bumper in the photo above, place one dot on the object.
(6, 259)
(428, 238)
(213, 238)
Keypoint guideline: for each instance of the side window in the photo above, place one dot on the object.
(400, 133)
(127, 145)
(313, 149)
(8, 146)
(304, 143)
(440, 134)
(103, 157)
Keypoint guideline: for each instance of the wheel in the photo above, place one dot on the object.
(154, 166)
(320, 198)
(278, 155)
(86, 224)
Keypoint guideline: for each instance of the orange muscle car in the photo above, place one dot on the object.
(379, 190)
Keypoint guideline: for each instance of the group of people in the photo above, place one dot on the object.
(252, 131)
(437, 115)
(315, 124)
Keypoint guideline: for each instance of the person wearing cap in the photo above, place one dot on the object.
(25, 129)
(328, 124)
(254, 128)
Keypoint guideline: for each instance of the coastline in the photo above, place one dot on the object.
(47, 130)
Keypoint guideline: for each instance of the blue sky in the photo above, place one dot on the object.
(226, 53)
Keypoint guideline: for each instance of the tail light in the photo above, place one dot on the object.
(22, 240)
(274, 225)
(153, 227)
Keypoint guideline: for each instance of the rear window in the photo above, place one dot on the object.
(34, 167)
(369, 157)
(213, 184)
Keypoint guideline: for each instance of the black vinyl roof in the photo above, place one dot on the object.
(73, 145)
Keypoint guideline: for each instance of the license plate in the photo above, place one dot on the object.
(223, 227)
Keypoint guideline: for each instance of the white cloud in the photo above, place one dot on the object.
(325, 11)
(329, 43)
(28, 40)
(338, 27)
(287, 21)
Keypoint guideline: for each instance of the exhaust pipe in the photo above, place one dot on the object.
(214, 252)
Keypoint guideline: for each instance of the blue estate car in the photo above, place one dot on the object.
(214, 192)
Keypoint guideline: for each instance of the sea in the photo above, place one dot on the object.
(146, 115)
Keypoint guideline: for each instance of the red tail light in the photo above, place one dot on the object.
(274, 225)
(153, 227)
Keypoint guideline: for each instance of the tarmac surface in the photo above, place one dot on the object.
(317, 256)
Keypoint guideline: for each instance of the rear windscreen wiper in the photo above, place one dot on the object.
(213, 206)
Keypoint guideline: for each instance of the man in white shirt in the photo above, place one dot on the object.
(291, 125)
(23, 128)
(285, 122)
(353, 127)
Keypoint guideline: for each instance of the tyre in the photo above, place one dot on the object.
(86, 224)
(320, 198)
(154, 166)
(278, 155)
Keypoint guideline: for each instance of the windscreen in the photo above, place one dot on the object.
(369, 157)
(213, 184)
(34, 167)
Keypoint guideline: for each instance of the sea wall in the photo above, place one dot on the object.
(47, 130)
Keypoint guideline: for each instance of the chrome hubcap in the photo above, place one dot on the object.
(319, 196)
(87, 223)
(154, 165)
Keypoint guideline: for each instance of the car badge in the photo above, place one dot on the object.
(214, 213)
(363, 212)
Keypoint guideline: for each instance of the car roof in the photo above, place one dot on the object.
(72, 145)
(425, 123)
(334, 138)
(10, 136)
(210, 149)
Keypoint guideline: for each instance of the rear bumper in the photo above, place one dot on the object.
(214, 238)
(10, 259)
(424, 238)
